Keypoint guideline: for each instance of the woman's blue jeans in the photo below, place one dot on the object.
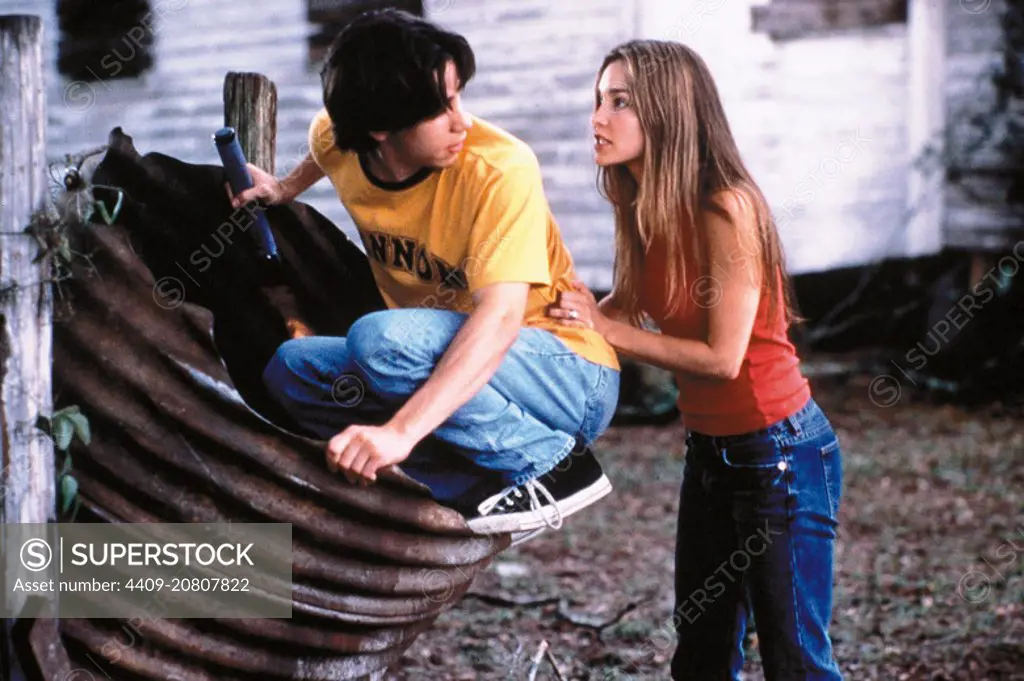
(518, 426)
(757, 530)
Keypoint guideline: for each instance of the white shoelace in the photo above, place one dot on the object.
(532, 487)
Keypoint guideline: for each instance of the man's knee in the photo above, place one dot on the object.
(391, 342)
(372, 342)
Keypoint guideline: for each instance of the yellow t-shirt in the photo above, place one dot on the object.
(441, 235)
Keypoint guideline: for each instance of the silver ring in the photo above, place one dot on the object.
(574, 314)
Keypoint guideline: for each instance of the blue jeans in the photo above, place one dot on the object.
(757, 530)
(518, 426)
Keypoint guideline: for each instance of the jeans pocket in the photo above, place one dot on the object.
(756, 465)
(760, 453)
(832, 472)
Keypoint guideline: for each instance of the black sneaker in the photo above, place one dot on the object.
(574, 483)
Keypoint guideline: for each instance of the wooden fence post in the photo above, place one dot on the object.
(27, 473)
(250, 107)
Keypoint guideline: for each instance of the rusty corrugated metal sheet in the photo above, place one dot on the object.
(182, 432)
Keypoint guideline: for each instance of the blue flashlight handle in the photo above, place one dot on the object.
(240, 179)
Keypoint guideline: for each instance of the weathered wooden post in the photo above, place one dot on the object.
(250, 107)
(27, 493)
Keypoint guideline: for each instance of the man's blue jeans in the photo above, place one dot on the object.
(518, 426)
(757, 530)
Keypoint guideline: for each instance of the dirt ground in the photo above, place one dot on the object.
(929, 583)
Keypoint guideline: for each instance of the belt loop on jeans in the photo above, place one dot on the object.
(794, 424)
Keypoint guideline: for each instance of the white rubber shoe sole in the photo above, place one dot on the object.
(545, 516)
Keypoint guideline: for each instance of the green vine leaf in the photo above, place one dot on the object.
(63, 431)
(63, 426)
(81, 424)
(68, 492)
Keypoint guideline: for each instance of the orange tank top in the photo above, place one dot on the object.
(769, 386)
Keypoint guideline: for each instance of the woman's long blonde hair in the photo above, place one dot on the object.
(689, 157)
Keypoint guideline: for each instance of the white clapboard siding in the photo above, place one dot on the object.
(537, 61)
(794, 105)
(820, 121)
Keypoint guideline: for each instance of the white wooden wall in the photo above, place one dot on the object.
(177, 105)
(822, 121)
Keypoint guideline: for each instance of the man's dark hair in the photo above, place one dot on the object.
(385, 72)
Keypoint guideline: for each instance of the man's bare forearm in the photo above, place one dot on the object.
(304, 176)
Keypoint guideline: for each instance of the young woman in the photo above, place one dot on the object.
(698, 253)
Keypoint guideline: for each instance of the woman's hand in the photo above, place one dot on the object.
(264, 186)
(579, 309)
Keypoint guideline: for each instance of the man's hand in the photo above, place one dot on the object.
(264, 186)
(360, 451)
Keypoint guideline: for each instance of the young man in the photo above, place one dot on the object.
(467, 257)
